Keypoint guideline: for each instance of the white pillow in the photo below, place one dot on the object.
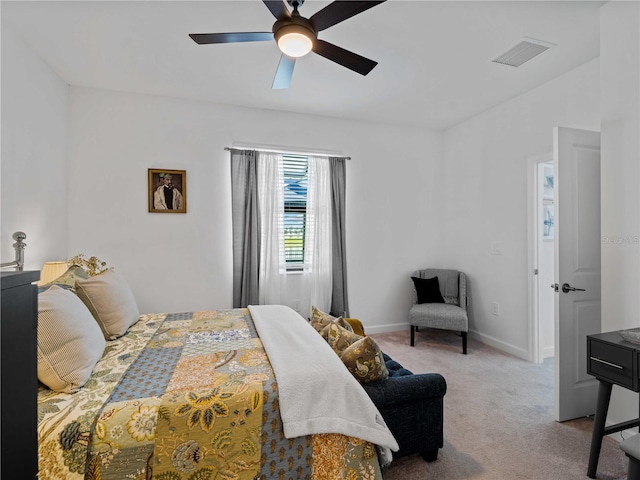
(110, 301)
(69, 341)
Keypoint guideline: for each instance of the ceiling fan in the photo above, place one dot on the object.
(296, 36)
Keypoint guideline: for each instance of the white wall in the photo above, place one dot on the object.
(485, 196)
(34, 151)
(620, 87)
(183, 262)
(415, 198)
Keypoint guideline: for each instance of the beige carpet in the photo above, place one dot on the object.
(498, 417)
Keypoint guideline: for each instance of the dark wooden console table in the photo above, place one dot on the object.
(613, 361)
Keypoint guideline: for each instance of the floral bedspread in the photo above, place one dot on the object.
(187, 396)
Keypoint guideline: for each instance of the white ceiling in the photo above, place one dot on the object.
(434, 57)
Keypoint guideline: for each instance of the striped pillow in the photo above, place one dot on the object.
(70, 342)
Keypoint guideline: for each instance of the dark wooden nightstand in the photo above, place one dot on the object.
(19, 389)
(613, 361)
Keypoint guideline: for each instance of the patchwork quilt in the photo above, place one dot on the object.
(189, 396)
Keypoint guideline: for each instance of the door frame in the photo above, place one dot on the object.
(533, 237)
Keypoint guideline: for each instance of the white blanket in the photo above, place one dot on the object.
(317, 393)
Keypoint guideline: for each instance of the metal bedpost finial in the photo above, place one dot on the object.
(19, 237)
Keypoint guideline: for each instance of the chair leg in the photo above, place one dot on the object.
(413, 335)
(430, 455)
(464, 343)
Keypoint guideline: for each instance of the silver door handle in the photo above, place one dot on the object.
(566, 288)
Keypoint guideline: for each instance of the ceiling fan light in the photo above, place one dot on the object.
(295, 44)
(294, 39)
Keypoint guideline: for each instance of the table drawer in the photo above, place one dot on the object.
(612, 363)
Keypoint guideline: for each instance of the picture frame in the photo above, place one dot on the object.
(167, 191)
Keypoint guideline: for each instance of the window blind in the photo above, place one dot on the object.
(295, 169)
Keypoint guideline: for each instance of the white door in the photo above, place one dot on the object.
(577, 253)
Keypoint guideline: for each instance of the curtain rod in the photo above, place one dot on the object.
(228, 149)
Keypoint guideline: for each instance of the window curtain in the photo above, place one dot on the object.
(339, 295)
(273, 269)
(246, 227)
(316, 276)
(259, 266)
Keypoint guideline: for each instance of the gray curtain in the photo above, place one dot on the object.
(246, 227)
(339, 297)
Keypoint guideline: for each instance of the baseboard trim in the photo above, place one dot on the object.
(390, 327)
(548, 352)
(486, 339)
(500, 345)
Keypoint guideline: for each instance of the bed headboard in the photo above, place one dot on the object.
(18, 263)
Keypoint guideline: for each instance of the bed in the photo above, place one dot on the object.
(194, 396)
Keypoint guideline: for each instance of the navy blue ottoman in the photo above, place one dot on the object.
(412, 407)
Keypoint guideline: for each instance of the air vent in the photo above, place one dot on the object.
(524, 51)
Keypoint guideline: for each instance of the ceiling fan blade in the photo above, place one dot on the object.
(284, 72)
(337, 12)
(348, 59)
(206, 38)
(278, 9)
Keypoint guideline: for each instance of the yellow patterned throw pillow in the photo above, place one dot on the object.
(361, 355)
(339, 338)
(364, 360)
(356, 326)
(344, 324)
(320, 319)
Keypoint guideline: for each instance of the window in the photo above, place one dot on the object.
(295, 170)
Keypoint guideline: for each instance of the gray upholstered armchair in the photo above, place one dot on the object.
(441, 302)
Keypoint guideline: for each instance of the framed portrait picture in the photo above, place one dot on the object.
(167, 191)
